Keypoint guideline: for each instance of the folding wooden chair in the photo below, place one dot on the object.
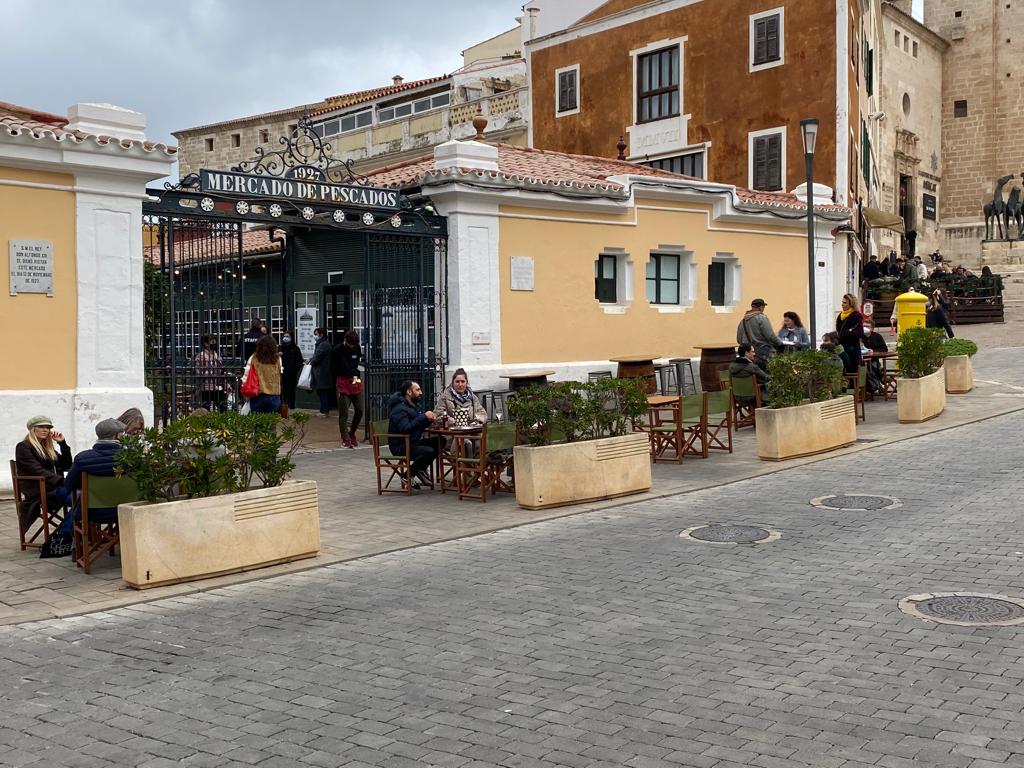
(471, 476)
(390, 465)
(718, 416)
(501, 442)
(746, 399)
(92, 536)
(857, 383)
(674, 430)
(48, 520)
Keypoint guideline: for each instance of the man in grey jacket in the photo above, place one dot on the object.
(756, 330)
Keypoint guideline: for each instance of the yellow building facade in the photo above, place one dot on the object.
(564, 262)
(71, 254)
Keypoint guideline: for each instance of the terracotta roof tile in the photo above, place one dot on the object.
(16, 121)
(558, 169)
(254, 243)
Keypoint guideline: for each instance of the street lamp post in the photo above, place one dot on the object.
(809, 129)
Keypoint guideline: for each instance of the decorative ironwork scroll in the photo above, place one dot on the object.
(304, 156)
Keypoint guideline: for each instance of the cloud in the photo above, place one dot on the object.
(201, 61)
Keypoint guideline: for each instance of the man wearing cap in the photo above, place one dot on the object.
(99, 460)
(756, 330)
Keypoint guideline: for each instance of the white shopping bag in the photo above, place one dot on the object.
(306, 378)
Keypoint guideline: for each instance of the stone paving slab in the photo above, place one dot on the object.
(357, 523)
(595, 640)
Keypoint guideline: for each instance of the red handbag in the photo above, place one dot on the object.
(251, 385)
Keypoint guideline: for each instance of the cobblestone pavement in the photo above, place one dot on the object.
(355, 522)
(597, 640)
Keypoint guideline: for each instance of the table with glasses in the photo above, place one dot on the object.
(448, 458)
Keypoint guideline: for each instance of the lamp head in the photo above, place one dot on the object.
(809, 129)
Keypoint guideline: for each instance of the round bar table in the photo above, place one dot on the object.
(714, 358)
(517, 381)
(638, 367)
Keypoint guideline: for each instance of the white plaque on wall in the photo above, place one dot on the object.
(31, 267)
(522, 273)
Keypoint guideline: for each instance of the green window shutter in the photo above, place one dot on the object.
(716, 283)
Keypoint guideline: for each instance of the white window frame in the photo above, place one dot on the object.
(733, 282)
(579, 94)
(751, 136)
(754, 18)
(623, 281)
(658, 45)
(687, 279)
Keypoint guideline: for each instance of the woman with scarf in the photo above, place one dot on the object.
(850, 327)
(459, 397)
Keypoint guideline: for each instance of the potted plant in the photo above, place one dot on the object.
(215, 498)
(921, 384)
(806, 412)
(580, 442)
(959, 371)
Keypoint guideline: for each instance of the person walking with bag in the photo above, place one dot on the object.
(349, 386)
(323, 379)
(756, 330)
(266, 363)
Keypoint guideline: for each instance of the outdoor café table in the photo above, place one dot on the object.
(714, 358)
(448, 458)
(638, 367)
(517, 381)
(888, 360)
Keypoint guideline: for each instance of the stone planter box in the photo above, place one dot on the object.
(803, 430)
(570, 473)
(197, 538)
(921, 399)
(959, 374)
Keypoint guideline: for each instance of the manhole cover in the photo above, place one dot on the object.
(856, 503)
(718, 533)
(965, 609)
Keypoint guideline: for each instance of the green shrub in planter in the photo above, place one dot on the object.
(954, 347)
(919, 352)
(572, 411)
(210, 454)
(797, 377)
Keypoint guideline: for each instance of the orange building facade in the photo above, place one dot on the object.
(716, 89)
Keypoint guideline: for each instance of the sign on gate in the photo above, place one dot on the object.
(867, 309)
(305, 324)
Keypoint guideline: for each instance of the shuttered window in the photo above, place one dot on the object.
(567, 90)
(766, 40)
(605, 285)
(767, 160)
(716, 283)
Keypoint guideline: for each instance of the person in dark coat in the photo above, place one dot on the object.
(43, 453)
(349, 386)
(405, 419)
(873, 269)
(99, 461)
(745, 365)
(323, 377)
(850, 328)
(247, 344)
(291, 368)
(935, 312)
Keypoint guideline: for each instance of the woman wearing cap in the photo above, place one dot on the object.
(43, 453)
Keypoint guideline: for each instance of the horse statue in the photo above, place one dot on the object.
(1014, 212)
(996, 209)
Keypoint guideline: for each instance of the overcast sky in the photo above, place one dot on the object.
(191, 62)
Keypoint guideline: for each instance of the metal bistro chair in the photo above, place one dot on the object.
(94, 536)
(28, 515)
(684, 366)
(598, 375)
(497, 403)
(668, 382)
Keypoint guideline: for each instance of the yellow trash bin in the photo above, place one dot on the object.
(910, 310)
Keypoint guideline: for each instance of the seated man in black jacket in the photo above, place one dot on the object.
(99, 460)
(406, 420)
(745, 366)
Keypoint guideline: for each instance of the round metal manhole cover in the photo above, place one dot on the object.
(965, 609)
(719, 533)
(856, 502)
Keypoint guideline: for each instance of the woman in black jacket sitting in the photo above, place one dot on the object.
(43, 453)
